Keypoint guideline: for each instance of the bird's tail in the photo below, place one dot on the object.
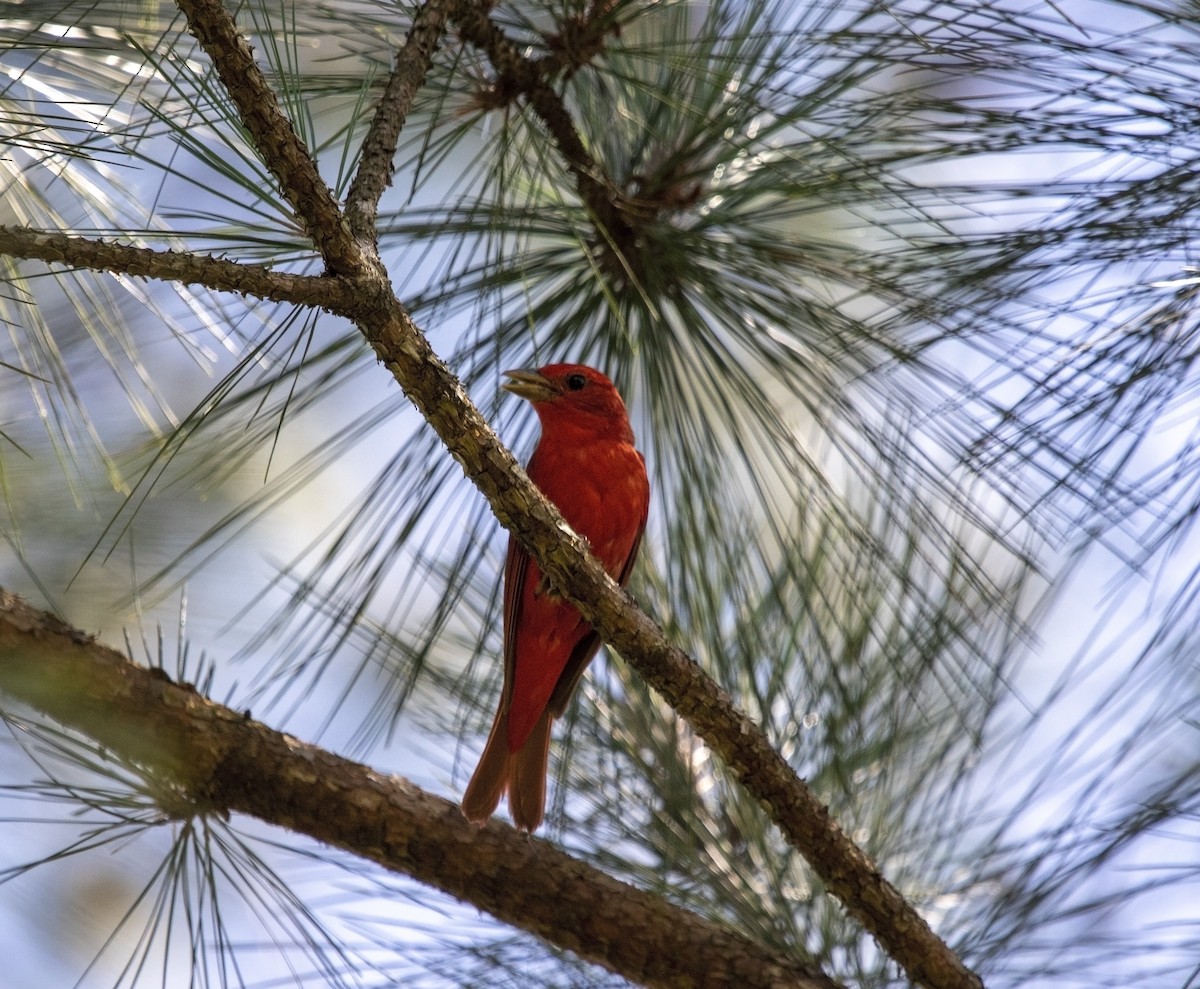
(527, 777)
(521, 773)
(490, 778)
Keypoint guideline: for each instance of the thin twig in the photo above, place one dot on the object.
(379, 147)
(180, 267)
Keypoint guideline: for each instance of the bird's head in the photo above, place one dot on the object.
(572, 395)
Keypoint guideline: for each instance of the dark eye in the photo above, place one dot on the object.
(576, 381)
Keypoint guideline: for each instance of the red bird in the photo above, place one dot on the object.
(586, 464)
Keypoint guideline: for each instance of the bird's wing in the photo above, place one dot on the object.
(587, 647)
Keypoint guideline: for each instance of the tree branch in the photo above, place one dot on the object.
(225, 761)
(272, 134)
(219, 274)
(379, 147)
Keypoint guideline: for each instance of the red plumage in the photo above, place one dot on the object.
(586, 464)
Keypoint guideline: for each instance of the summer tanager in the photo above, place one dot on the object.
(586, 464)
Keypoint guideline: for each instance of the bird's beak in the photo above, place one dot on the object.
(530, 385)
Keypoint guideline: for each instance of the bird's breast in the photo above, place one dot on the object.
(601, 490)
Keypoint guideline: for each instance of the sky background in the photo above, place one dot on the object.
(55, 919)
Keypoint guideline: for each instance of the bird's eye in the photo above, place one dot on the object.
(576, 381)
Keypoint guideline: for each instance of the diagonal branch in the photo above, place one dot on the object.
(219, 274)
(225, 761)
(272, 134)
(379, 148)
